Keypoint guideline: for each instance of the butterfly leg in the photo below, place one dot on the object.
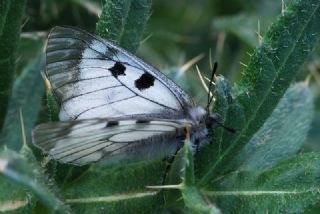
(197, 147)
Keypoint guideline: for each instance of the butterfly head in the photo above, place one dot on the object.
(201, 116)
(211, 120)
(197, 114)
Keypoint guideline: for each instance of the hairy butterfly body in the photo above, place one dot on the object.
(113, 106)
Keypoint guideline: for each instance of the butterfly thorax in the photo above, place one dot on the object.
(202, 120)
(200, 116)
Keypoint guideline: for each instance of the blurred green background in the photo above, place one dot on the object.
(176, 32)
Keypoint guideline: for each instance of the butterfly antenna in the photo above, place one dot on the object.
(210, 98)
(216, 120)
(231, 130)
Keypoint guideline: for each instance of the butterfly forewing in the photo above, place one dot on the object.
(86, 141)
(92, 77)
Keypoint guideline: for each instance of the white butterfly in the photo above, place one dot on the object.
(114, 106)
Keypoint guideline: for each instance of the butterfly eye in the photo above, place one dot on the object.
(210, 121)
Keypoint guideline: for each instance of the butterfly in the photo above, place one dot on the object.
(113, 106)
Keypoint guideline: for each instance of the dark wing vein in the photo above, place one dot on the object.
(99, 106)
(80, 149)
(90, 146)
(148, 98)
(104, 154)
(89, 92)
(97, 51)
(78, 80)
(132, 90)
(75, 41)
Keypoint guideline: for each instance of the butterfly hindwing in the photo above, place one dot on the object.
(86, 141)
(92, 77)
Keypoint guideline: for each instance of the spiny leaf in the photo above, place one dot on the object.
(273, 66)
(139, 202)
(192, 198)
(124, 21)
(196, 203)
(13, 197)
(118, 190)
(283, 133)
(188, 168)
(27, 94)
(9, 42)
(135, 24)
(290, 187)
(27, 174)
(112, 20)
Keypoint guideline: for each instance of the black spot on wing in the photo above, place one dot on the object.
(117, 69)
(112, 123)
(142, 121)
(145, 81)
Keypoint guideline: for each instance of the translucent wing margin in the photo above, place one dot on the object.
(92, 77)
(82, 142)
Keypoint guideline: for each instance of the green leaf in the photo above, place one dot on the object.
(30, 48)
(9, 42)
(124, 21)
(27, 96)
(118, 189)
(193, 199)
(135, 24)
(112, 20)
(272, 67)
(290, 187)
(188, 168)
(22, 169)
(183, 171)
(4, 8)
(13, 197)
(283, 133)
(257, 184)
